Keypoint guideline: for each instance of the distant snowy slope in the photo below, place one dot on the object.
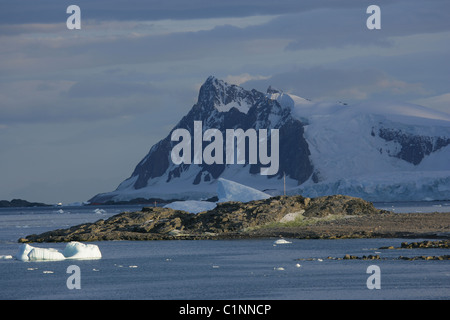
(232, 191)
(386, 151)
(226, 191)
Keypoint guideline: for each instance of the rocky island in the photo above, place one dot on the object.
(18, 203)
(328, 217)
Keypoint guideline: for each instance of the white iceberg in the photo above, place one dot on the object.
(78, 250)
(232, 191)
(73, 250)
(192, 206)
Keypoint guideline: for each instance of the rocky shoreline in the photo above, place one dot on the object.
(427, 244)
(330, 217)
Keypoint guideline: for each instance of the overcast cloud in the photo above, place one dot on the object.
(80, 108)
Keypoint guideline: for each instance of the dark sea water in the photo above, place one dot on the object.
(213, 269)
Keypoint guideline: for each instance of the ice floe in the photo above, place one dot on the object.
(73, 250)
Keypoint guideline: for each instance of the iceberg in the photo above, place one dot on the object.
(232, 191)
(73, 250)
(78, 250)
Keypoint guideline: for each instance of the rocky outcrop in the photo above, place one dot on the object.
(413, 148)
(378, 257)
(438, 244)
(228, 219)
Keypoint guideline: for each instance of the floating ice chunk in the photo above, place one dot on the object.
(282, 241)
(78, 250)
(44, 254)
(5, 257)
(278, 268)
(99, 211)
(73, 250)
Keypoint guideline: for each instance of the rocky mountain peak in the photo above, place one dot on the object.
(272, 90)
(218, 94)
(324, 148)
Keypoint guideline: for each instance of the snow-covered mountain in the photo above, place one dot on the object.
(377, 151)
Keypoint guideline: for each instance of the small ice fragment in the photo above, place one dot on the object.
(215, 267)
(6, 257)
(47, 271)
(278, 268)
(282, 241)
(132, 266)
(298, 265)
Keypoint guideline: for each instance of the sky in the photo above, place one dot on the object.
(80, 108)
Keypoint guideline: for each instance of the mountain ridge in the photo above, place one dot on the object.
(323, 146)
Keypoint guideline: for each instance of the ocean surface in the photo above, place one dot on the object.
(217, 269)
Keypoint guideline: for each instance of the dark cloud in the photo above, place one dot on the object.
(50, 11)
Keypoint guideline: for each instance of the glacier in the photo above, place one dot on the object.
(352, 158)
